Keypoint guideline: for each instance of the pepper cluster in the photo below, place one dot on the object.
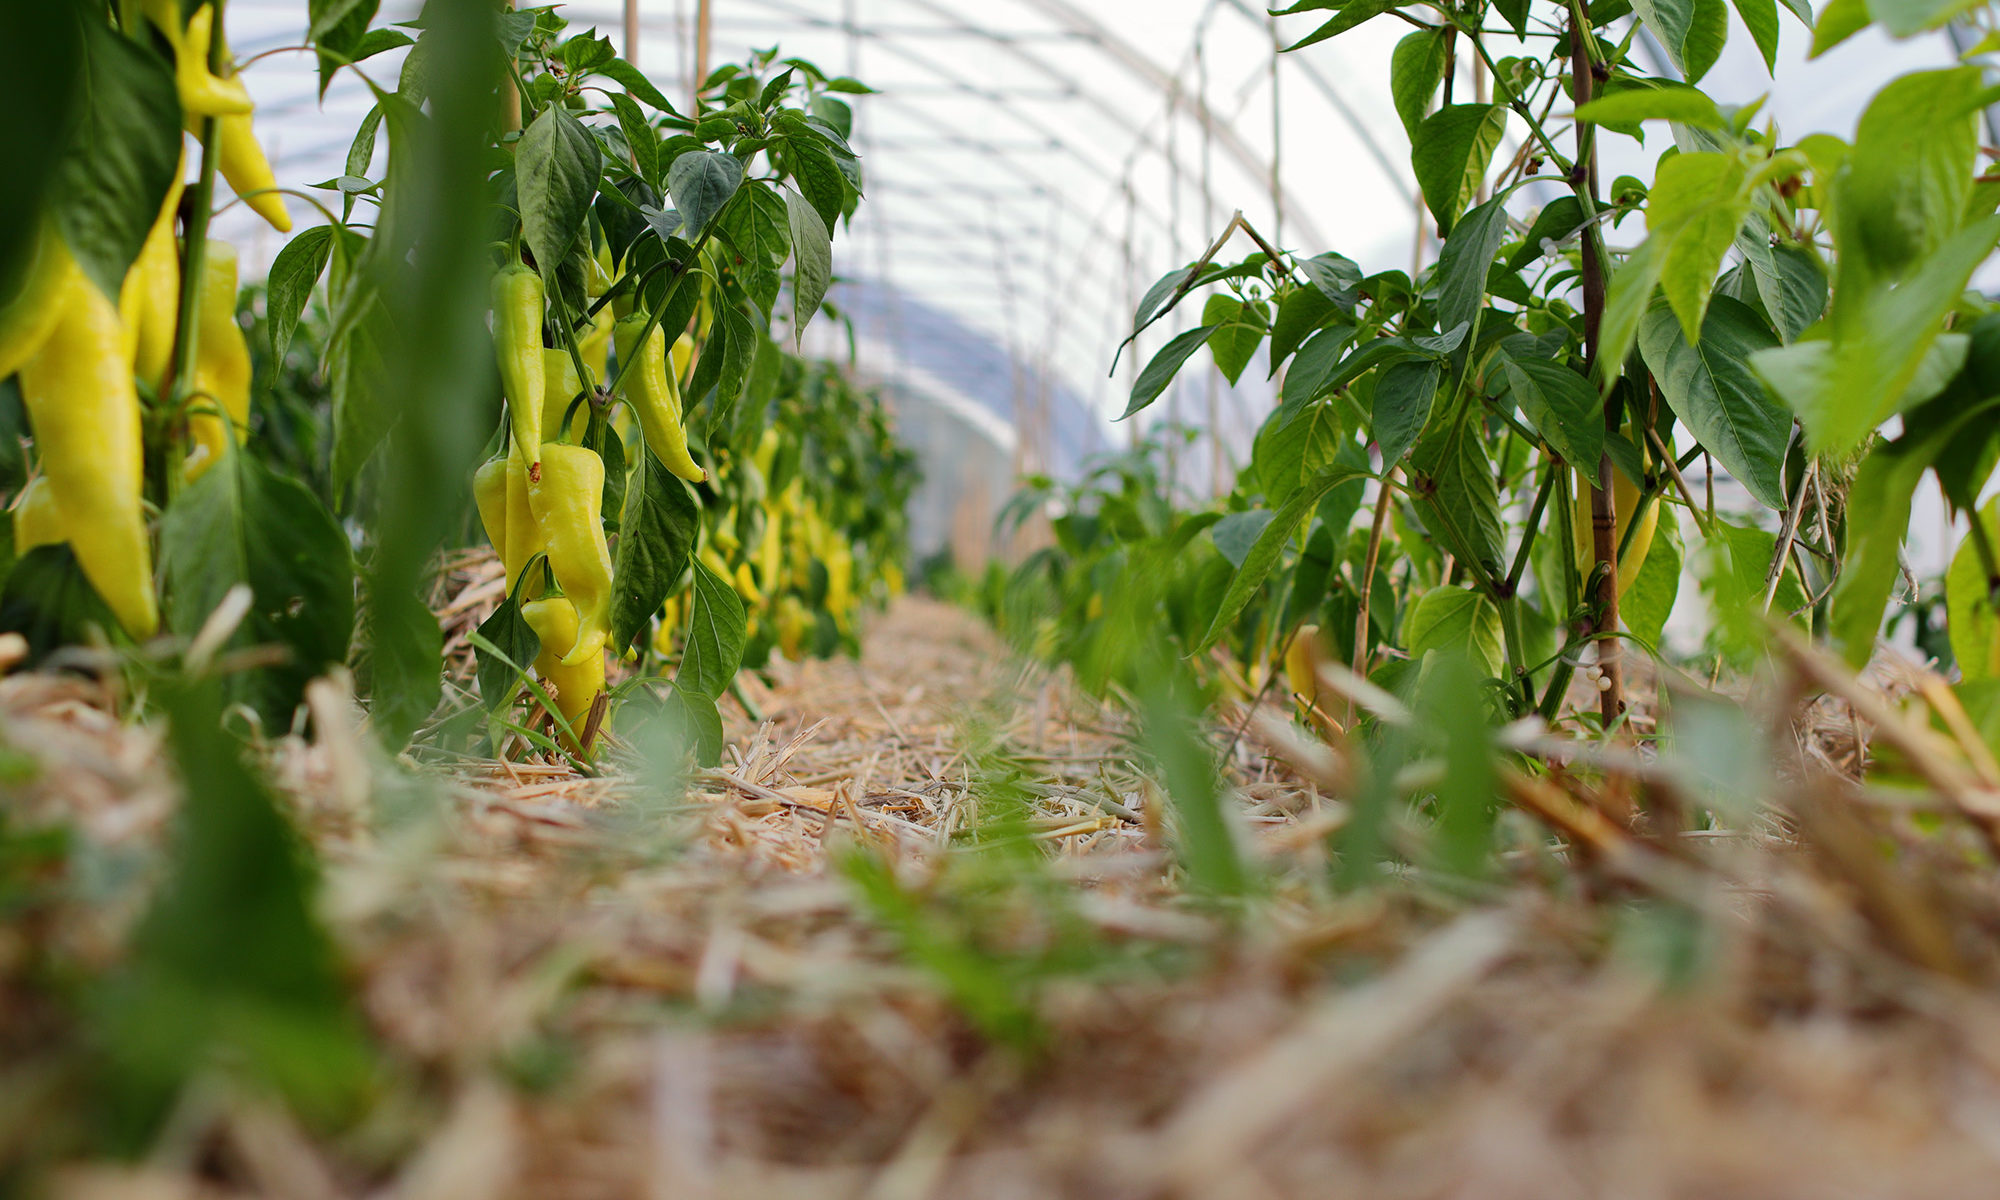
(542, 500)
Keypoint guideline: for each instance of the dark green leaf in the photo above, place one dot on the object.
(702, 181)
(1713, 391)
(1159, 372)
(1270, 544)
(634, 81)
(715, 636)
(1237, 532)
(1415, 70)
(1462, 270)
(812, 260)
(1352, 13)
(48, 601)
(1302, 311)
(1239, 330)
(293, 274)
(558, 164)
(509, 633)
(243, 524)
(818, 179)
(1562, 406)
(1452, 485)
(124, 147)
(655, 540)
(1449, 153)
(639, 136)
(1404, 393)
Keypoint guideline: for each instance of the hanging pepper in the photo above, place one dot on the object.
(501, 490)
(241, 161)
(84, 411)
(1625, 500)
(793, 623)
(655, 397)
(27, 319)
(220, 415)
(595, 344)
(202, 92)
(568, 501)
(36, 521)
(575, 685)
(517, 340)
(149, 301)
(670, 624)
(560, 386)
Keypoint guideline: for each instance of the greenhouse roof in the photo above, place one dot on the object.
(1034, 165)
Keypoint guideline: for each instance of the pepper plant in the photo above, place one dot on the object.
(1525, 413)
(647, 272)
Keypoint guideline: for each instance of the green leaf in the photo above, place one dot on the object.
(1878, 518)
(812, 260)
(818, 178)
(656, 538)
(230, 964)
(123, 149)
(1165, 364)
(1974, 627)
(48, 601)
(1462, 268)
(698, 719)
(1456, 619)
(1449, 153)
(1558, 221)
(1270, 544)
(1287, 455)
(634, 81)
(1562, 406)
(1838, 21)
(1453, 488)
(639, 136)
(1234, 534)
(1706, 37)
(1697, 204)
(294, 272)
(1842, 390)
(715, 636)
(1905, 185)
(1415, 70)
(1352, 13)
(1760, 17)
(1314, 365)
(1301, 313)
(243, 524)
(557, 165)
(515, 646)
(1239, 330)
(338, 30)
(1670, 102)
(405, 663)
(1906, 18)
(1404, 394)
(1627, 297)
(1713, 390)
(701, 182)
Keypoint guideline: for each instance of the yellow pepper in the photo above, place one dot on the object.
(517, 343)
(150, 299)
(577, 684)
(560, 386)
(501, 488)
(1625, 498)
(220, 414)
(670, 624)
(202, 92)
(793, 623)
(84, 411)
(655, 397)
(36, 521)
(567, 502)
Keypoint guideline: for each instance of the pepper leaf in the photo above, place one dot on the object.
(557, 167)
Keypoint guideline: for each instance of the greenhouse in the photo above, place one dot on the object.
(909, 598)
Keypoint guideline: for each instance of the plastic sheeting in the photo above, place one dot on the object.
(1033, 165)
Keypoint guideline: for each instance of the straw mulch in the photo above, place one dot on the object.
(601, 988)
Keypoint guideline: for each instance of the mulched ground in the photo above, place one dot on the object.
(606, 988)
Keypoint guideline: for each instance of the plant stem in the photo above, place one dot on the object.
(1603, 512)
(1554, 465)
(177, 387)
(1385, 498)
